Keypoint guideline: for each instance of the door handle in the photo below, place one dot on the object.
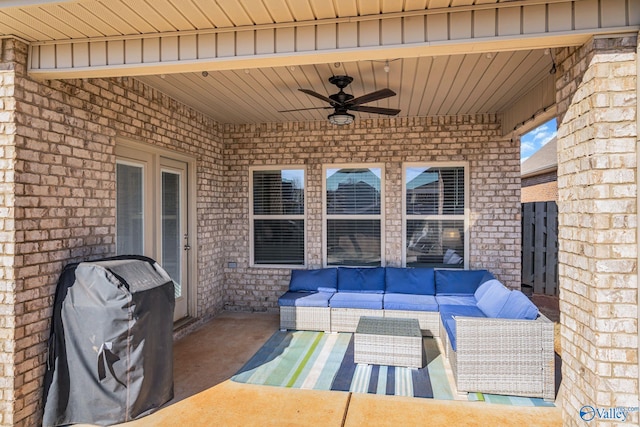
(187, 247)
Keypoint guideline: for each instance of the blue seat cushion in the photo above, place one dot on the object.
(447, 314)
(450, 282)
(416, 281)
(450, 329)
(493, 299)
(410, 302)
(518, 306)
(456, 300)
(370, 301)
(369, 280)
(448, 311)
(314, 280)
(305, 299)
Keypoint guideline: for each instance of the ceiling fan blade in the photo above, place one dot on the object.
(369, 97)
(305, 109)
(375, 110)
(316, 95)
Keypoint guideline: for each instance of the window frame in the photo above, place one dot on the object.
(464, 217)
(253, 217)
(326, 217)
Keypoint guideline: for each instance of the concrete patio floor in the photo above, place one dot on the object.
(204, 396)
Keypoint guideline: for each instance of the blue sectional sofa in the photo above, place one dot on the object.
(494, 338)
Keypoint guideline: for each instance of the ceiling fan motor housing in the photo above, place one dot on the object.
(341, 81)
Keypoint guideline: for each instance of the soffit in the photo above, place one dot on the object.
(59, 20)
(425, 86)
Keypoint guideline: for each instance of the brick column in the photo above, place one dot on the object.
(598, 242)
(7, 232)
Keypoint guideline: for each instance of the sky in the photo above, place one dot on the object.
(532, 141)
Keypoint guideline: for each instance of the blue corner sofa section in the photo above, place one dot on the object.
(480, 322)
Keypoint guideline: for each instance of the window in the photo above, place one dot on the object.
(277, 216)
(435, 207)
(353, 200)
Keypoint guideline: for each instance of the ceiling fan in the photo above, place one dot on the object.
(343, 102)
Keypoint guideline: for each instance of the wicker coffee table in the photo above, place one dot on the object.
(388, 341)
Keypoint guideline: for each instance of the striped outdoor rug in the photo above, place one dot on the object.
(319, 361)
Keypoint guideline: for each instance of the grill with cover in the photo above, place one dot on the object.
(111, 345)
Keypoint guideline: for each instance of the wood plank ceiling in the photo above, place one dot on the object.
(433, 86)
(473, 83)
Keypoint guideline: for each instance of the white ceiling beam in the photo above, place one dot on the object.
(516, 25)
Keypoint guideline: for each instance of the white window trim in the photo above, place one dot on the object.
(253, 217)
(381, 216)
(405, 217)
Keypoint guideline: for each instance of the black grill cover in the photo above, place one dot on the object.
(111, 345)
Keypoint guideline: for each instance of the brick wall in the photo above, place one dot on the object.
(494, 166)
(597, 176)
(65, 136)
(544, 192)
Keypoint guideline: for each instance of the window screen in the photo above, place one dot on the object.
(435, 216)
(278, 216)
(353, 216)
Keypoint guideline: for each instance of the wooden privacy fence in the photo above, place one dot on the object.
(540, 247)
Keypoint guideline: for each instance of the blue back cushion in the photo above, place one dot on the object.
(458, 281)
(494, 298)
(324, 279)
(361, 280)
(485, 286)
(518, 306)
(417, 281)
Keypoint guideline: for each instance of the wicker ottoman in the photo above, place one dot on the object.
(388, 341)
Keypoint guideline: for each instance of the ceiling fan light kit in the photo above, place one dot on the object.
(341, 118)
(342, 102)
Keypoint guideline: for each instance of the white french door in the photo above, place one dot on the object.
(152, 214)
(174, 237)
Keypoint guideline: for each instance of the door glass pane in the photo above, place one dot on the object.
(171, 236)
(129, 209)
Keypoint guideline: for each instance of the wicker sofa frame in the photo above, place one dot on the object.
(346, 319)
(305, 318)
(503, 356)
